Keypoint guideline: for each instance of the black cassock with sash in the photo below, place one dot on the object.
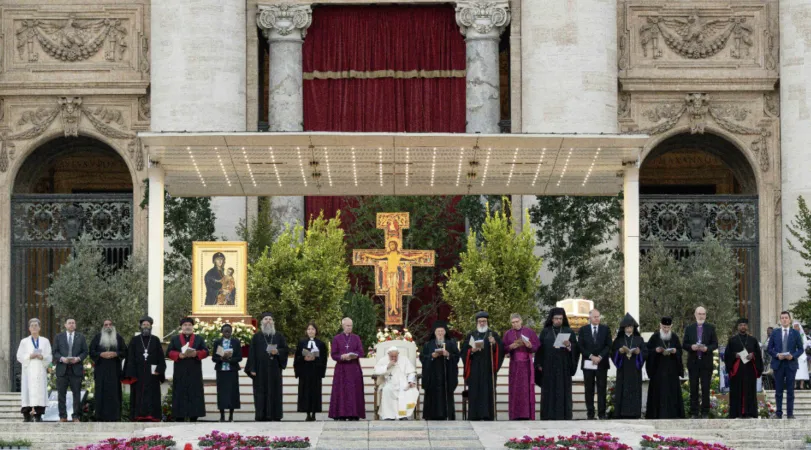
(145, 387)
(107, 375)
(481, 368)
(267, 383)
(440, 376)
(188, 398)
(743, 377)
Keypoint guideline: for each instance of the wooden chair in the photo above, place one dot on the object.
(406, 348)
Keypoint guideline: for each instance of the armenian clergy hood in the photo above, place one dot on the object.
(664, 368)
(266, 361)
(187, 350)
(483, 357)
(628, 353)
(744, 362)
(107, 350)
(556, 361)
(144, 371)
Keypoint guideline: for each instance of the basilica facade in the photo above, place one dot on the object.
(719, 87)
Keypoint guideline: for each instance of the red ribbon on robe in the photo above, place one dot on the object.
(734, 372)
(174, 355)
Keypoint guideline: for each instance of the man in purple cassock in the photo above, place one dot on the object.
(521, 343)
(347, 401)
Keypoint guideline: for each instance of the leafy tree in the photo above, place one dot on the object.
(800, 229)
(364, 314)
(571, 231)
(89, 290)
(434, 225)
(260, 232)
(606, 289)
(302, 280)
(498, 275)
(473, 207)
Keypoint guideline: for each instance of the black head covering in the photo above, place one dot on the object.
(556, 312)
(186, 320)
(667, 321)
(217, 255)
(628, 321)
(146, 319)
(439, 324)
(742, 320)
(265, 314)
(482, 315)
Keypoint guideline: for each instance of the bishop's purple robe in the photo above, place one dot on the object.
(347, 399)
(522, 373)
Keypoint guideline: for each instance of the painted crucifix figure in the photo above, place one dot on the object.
(393, 264)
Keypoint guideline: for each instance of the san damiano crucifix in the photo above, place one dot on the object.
(393, 264)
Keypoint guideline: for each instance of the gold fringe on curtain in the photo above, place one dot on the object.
(344, 74)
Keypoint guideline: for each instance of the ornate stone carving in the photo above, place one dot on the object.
(70, 108)
(697, 108)
(622, 59)
(771, 104)
(482, 17)
(284, 19)
(761, 148)
(771, 50)
(137, 153)
(144, 108)
(624, 105)
(72, 39)
(695, 38)
(41, 119)
(144, 66)
(2, 110)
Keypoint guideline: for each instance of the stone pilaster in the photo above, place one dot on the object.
(285, 27)
(482, 24)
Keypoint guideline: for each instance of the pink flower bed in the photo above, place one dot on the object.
(218, 440)
(155, 442)
(583, 441)
(672, 443)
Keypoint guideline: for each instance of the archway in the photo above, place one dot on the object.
(65, 189)
(693, 186)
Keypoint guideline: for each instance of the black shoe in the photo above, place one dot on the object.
(602, 417)
(790, 416)
(27, 418)
(590, 417)
(38, 418)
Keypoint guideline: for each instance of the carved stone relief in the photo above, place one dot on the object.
(144, 108)
(72, 39)
(144, 64)
(694, 37)
(32, 123)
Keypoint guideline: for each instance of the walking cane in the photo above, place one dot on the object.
(445, 385)
(493, 370)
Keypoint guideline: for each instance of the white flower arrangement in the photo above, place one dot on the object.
(393, 335)
(211, 330)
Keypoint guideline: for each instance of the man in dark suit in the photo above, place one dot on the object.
(69, 352)
(594, 341)
(785, 346)
(700, 341)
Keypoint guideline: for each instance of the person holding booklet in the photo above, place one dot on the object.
(267, 359)
(521, 343)
(144, 371)
(744, 362)
(347, 401)
(628, 354)
(556, 364)
(482, 356)
(785, 347)
(664, 369)
(595, 347)
(226, 357)
(187, 350)
(310, 367)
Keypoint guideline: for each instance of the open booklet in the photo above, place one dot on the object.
(744, 356)
(476, 343)
(222, 352)
(314, 353)
(560, 339)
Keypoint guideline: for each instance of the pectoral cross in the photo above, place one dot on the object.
(146, 354)
(393, 264)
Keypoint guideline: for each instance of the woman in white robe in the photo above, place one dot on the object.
(35, 355)
(802, 373)
(398, 393)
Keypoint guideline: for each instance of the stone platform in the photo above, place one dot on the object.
(749, 434)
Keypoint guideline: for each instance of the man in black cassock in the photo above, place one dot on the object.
(108, 350)
(227, 353)
(440, 373)
(482, 360)
(664, 369)
(266, 361)
(556, 366)
(144, 371)
(187, 350)
(743, 372)
(628, 354)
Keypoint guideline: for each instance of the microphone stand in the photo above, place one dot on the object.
(445, 384)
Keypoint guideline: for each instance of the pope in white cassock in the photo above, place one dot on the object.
(398, 392)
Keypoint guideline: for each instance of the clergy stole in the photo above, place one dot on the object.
(743, 376)
(480, 373)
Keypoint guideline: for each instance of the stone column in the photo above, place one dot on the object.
(8, 356)
(630, 238)
(482, 24)
(795, 134)
(155, 253)
(569, 66)
(285, 27)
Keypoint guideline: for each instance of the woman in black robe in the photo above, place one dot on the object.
(440, 374)
(556, 366)
(227, 368)
(143, 354)
(310, 371)
(628, 354)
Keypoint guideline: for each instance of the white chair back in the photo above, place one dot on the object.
(406, 349)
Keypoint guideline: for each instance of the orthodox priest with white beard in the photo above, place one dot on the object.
(664, 367)
(144, 371)
(108, 351)
(482, 357)
(266, 361)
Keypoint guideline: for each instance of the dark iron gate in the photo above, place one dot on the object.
(679, 220)
(43, 227)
